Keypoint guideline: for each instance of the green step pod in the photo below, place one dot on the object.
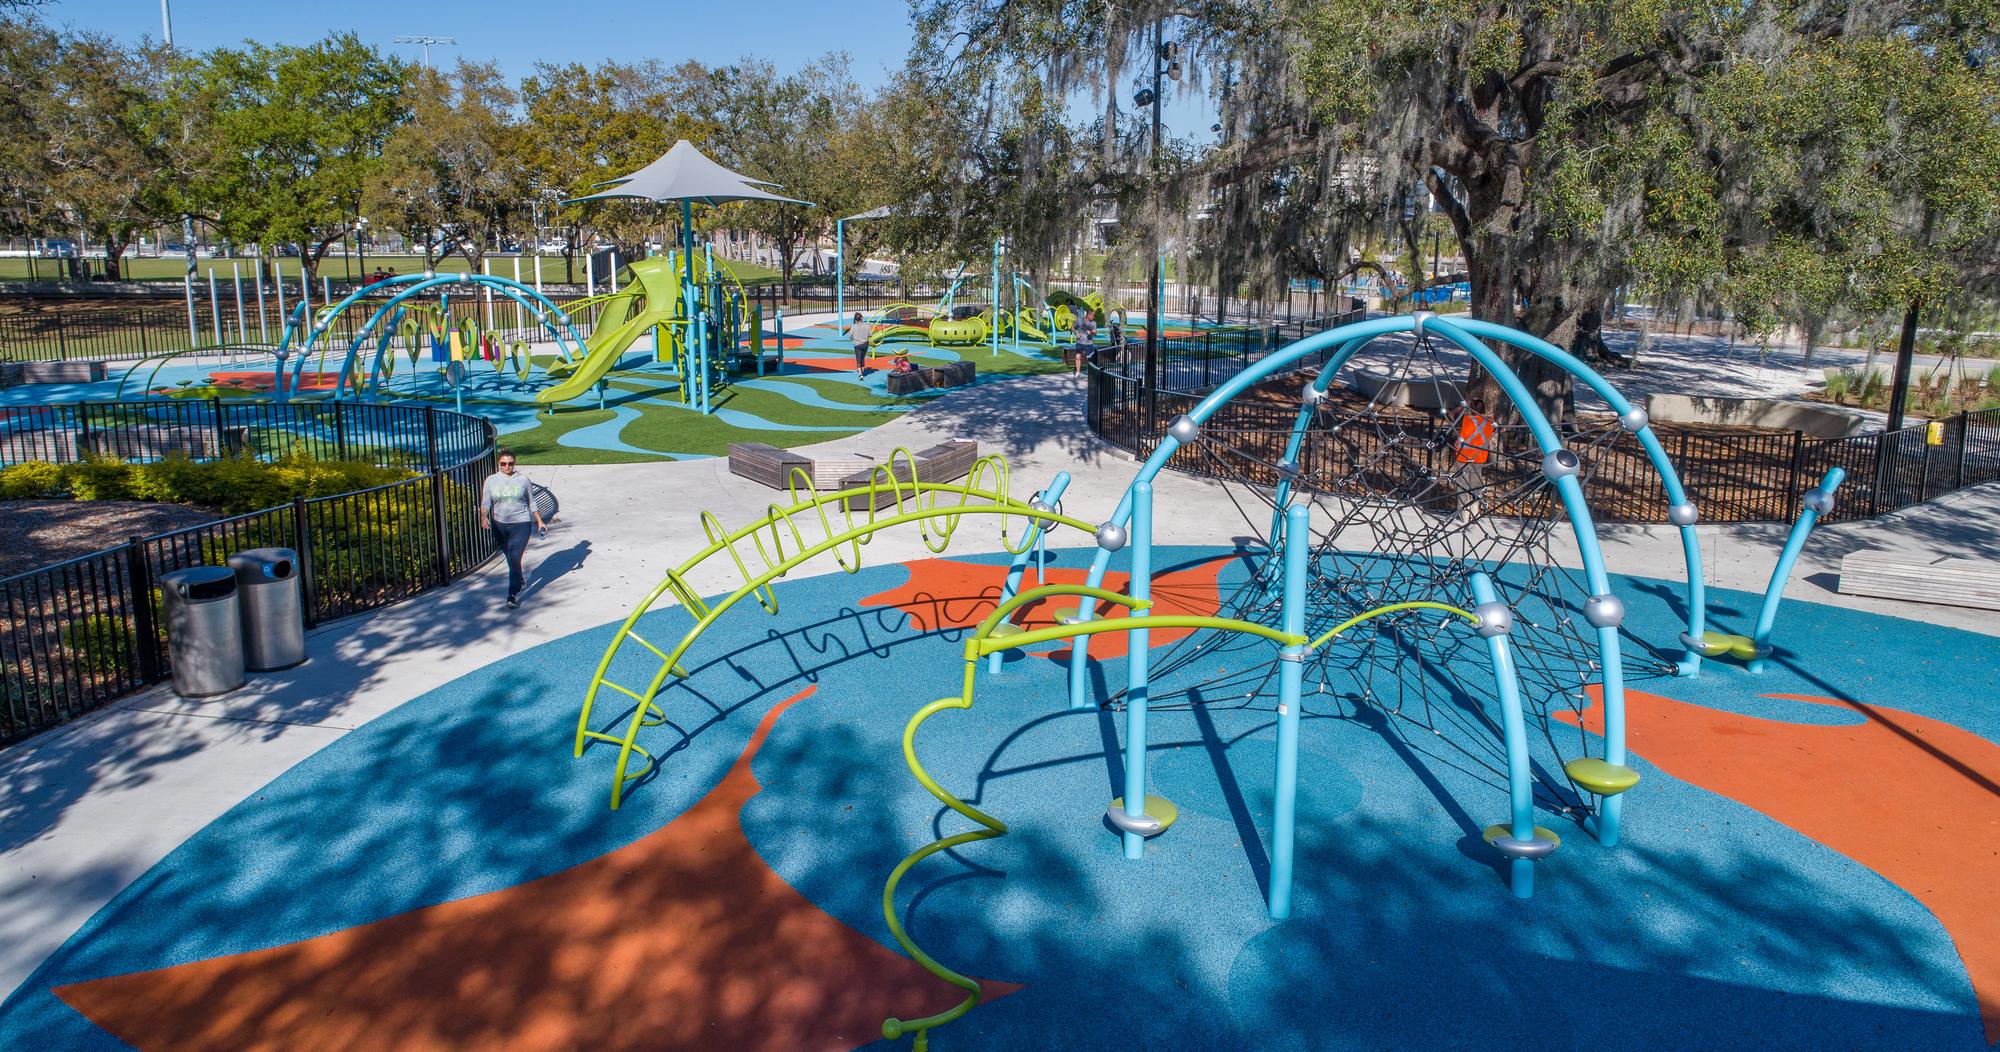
(1597, 776)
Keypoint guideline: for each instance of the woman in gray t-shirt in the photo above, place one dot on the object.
(507, 507)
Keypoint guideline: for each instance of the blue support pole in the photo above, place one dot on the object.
(1514, 727)
(993, 330)
(1037, 530)
(1817, 502)
(1291, 674)
(1136, 681)
(839, 271)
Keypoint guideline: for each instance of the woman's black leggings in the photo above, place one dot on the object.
(861, 356)
(512, 538)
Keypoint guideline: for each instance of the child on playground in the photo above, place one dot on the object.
(859, 333)
(506, 507)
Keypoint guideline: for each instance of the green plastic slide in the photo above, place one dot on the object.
(655, 301)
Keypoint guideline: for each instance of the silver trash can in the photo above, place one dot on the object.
(204, 631)
(269, 591)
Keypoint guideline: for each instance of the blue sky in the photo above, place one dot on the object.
(518, 33)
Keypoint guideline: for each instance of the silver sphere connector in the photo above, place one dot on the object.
(1184, 429)
(1288, 468)
(1418, 320)
(1111, 537)
(1313, 395)
(1604, 611)
(1042, 506)
(430, 274)
(1683, 515)
(1819, 501)
(1633, 419)
(1495, 619)
(1560, 464)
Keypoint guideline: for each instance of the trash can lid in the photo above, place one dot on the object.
(201, 582)
(266, 563)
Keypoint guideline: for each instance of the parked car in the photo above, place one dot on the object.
(554, 244)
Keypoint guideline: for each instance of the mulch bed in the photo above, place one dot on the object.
(50, 531)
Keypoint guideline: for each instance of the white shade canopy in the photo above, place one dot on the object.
(686, 174)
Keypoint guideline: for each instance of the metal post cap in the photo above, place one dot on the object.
(1418, 320)
(1560, 464)
(1604, 611)
(1495, 619)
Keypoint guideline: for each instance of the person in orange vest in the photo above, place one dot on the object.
(1477, 438)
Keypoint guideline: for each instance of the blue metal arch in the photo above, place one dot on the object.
(1697, 592)
(1349, 339)
(417, 283)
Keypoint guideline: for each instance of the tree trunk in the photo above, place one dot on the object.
(1906, 348)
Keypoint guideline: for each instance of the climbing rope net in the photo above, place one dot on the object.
(1398, 515)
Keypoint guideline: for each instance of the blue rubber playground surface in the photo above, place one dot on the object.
(1737, 913)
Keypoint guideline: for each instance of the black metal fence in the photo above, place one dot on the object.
(80, 633)
(1730, 477)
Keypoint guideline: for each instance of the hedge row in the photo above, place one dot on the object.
(235, 485)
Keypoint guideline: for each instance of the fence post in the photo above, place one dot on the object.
(339, 430)
(430, 438)
(1924, 473)
(61, 352)
(1875, 491)
(302, 543)
(215, 414)
(139, 583)
(442, 533)
(1958, 472)
(1792, 495)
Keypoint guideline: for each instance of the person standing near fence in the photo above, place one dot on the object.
(1471, 450)
(859, 333)
(507, 508)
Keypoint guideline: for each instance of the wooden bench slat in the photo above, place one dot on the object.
(1953, 582)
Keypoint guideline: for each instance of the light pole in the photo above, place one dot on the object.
(361, 245)
(423, 40)
(1166, 64)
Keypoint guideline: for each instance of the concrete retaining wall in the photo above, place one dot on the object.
(1819, 421)
(1436, 393)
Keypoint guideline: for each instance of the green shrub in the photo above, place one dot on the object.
(234, 485)
(100, 478)
(1871, 386)
(34, 480)
(1838, 384)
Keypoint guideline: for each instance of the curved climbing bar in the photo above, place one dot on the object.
(768, 557)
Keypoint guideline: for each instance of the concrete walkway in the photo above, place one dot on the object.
(89, 807)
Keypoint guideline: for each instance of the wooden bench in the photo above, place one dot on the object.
(61, 372)
(765, 464)
(944, 462)
(1972, 583)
